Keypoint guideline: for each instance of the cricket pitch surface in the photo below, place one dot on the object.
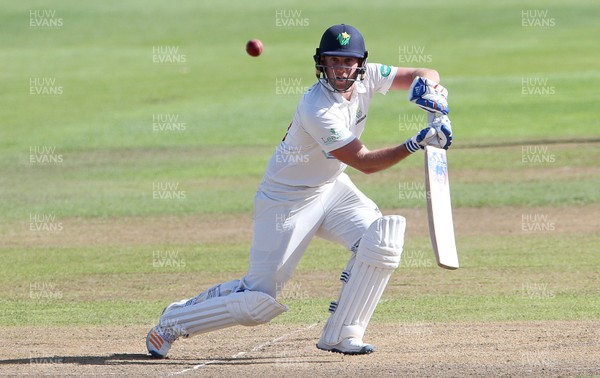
(498, 349)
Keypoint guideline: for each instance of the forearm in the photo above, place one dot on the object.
(378, 160)
(358, 156)
(427, 73)
(406, 75)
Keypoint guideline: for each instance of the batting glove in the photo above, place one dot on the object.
(444, 129)
(429, 95)
(437, 134)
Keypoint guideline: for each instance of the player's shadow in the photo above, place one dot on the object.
(145, 359)
(113, 359)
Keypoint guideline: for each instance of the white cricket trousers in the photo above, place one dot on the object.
(286, 221)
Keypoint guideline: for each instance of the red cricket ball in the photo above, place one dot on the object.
(254, 47)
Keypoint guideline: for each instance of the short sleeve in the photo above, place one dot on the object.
(327, 127)
(380, 77)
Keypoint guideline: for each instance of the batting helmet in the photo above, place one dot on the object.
(341, 40)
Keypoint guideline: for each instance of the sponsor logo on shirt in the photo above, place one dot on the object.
(333, 137)
(360, 116)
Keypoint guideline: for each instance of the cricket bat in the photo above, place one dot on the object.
(439, 208)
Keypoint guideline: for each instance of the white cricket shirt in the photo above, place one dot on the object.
(324, 121)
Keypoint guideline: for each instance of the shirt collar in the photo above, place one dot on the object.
(359, 87)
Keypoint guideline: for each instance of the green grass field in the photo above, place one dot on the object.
(83, 142)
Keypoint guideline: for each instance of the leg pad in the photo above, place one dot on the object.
(377, 256)
(247, 308)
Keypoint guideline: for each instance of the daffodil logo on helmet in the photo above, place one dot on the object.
(343, 38)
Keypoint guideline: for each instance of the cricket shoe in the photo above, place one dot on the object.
(159, 341)
(348, 346)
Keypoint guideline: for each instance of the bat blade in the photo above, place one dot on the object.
(439, 208)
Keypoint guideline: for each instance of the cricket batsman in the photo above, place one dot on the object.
(305, 193)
